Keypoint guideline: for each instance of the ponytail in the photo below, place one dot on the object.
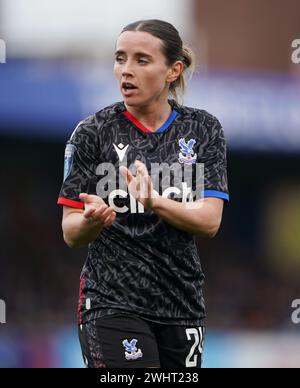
(178, 87)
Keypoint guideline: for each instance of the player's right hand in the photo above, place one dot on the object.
(97, 211)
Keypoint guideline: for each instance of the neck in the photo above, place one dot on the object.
(152, 116)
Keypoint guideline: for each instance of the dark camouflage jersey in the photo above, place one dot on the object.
(142, 264)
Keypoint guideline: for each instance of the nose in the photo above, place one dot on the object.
(127, 69)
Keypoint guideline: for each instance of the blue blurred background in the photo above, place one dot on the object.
(58, 70)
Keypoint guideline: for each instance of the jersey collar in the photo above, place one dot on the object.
(162, 129)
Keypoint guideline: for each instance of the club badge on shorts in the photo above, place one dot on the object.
(131, 351)
(187, 154)
(69, 157)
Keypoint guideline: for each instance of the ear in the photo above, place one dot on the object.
(175, 71)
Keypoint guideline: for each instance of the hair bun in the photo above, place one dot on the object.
(188, 56)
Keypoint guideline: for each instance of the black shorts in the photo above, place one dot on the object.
(128, 341)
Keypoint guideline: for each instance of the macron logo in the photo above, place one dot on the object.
(121, 151)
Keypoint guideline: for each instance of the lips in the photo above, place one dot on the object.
(128, 86)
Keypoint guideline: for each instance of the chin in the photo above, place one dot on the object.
(138, 102)
(134, 102)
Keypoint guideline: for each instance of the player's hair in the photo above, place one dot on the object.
(173, 49)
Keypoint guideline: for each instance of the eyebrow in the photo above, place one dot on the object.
(138, 54)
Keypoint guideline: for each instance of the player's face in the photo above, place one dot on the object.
(141, 69)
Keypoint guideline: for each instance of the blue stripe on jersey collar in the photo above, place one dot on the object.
(168, 122)
(146, 130)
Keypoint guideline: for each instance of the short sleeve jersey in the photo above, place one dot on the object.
(142, 264)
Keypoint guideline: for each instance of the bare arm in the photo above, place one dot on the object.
(202, 218)
(80, 227)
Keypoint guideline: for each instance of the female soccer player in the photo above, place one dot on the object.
(141, 302)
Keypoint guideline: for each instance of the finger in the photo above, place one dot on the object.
(110, 220)
(83, 197)
(89, 199)
(141, 168)
(103, 216)
(98, 213)
(89, 213)
(107, 213)
(138, 163)
(145, 189)
(126, 174)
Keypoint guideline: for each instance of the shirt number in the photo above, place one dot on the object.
(197, 336)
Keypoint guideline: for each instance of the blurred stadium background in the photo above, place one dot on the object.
(59, 58)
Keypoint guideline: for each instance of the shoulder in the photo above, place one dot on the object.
(206, 124)
(109, 113)
(90, 127)
(201, 116)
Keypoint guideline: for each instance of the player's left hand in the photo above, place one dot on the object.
(140, 186)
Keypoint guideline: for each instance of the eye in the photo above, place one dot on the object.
(143, 62)
(120, 59)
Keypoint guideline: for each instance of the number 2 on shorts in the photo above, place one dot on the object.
(192, 358)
